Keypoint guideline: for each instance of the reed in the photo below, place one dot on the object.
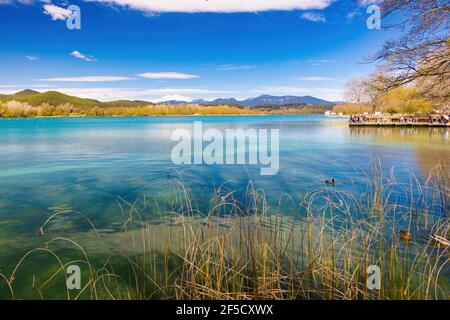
(316, 247)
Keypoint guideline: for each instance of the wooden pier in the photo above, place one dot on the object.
(433, 121)
(399, 124)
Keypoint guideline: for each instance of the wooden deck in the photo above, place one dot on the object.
(399, 124)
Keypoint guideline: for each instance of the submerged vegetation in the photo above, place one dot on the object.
(318, 246)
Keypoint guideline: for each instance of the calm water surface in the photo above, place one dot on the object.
(87, 163)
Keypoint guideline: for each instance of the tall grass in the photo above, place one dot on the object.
(315, 247)
(15, 109)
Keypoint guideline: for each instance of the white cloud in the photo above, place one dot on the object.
(32, 58)
(314, 17)
(79, 55)
(57, 13)
(88, 79)
(322, 61)
(185, 94)
(313, 79)
(352, 14)
(222, 6)
(360, 8)
(153, 95)
(181, 91)
(176, 97)
(18, 87)
(6, 2)
(315, 62)
(230, 67)
(167, 75)
(8, 85)
(368, 2)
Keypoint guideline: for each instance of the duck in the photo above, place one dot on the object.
(440, 241)
(330, 182)
(405, 235)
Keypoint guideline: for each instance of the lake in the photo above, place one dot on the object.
(87, 164)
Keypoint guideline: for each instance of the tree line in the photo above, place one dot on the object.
(16, 109)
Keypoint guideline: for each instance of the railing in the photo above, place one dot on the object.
(441, 120)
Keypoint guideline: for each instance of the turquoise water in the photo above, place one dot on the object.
(86, 164)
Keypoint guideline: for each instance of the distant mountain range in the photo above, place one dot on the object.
(36, 98)
(260, 101)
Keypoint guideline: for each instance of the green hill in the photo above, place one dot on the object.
(56, 98)
(25, 93)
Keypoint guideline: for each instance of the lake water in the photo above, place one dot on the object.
(86, 164)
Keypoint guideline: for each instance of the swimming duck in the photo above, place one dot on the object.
(440, 241)
(405, 235)
(330, 182)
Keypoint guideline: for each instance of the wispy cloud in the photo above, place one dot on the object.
(186, 94)
(77, 54)
(314, 17)
(153, 94)
(360, 7)
(57, 13)
(231, 67)
(315, 62)
(32, 58)
(313, 78)
(6, 2)
(88, 79)
(167, 75)
(221, 6)
(322, 61)
(21, 86)
(368, 2)
(352, 14)
(171, 97)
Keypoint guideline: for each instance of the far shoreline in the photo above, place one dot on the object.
(171, 115)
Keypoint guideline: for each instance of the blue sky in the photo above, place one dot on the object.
(148, 49)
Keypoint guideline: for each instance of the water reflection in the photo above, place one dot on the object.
(431, 146)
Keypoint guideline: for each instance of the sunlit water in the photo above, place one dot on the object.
(86, 164)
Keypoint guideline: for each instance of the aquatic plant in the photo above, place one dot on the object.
(317, 246)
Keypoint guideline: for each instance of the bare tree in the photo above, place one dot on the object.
(423, 51)
(375, 86)
(355, 92)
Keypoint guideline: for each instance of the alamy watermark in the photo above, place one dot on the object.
(71, 15)
(374, 277)
(73, 21)
(374, 20)
(73, 280)
(231, 147)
